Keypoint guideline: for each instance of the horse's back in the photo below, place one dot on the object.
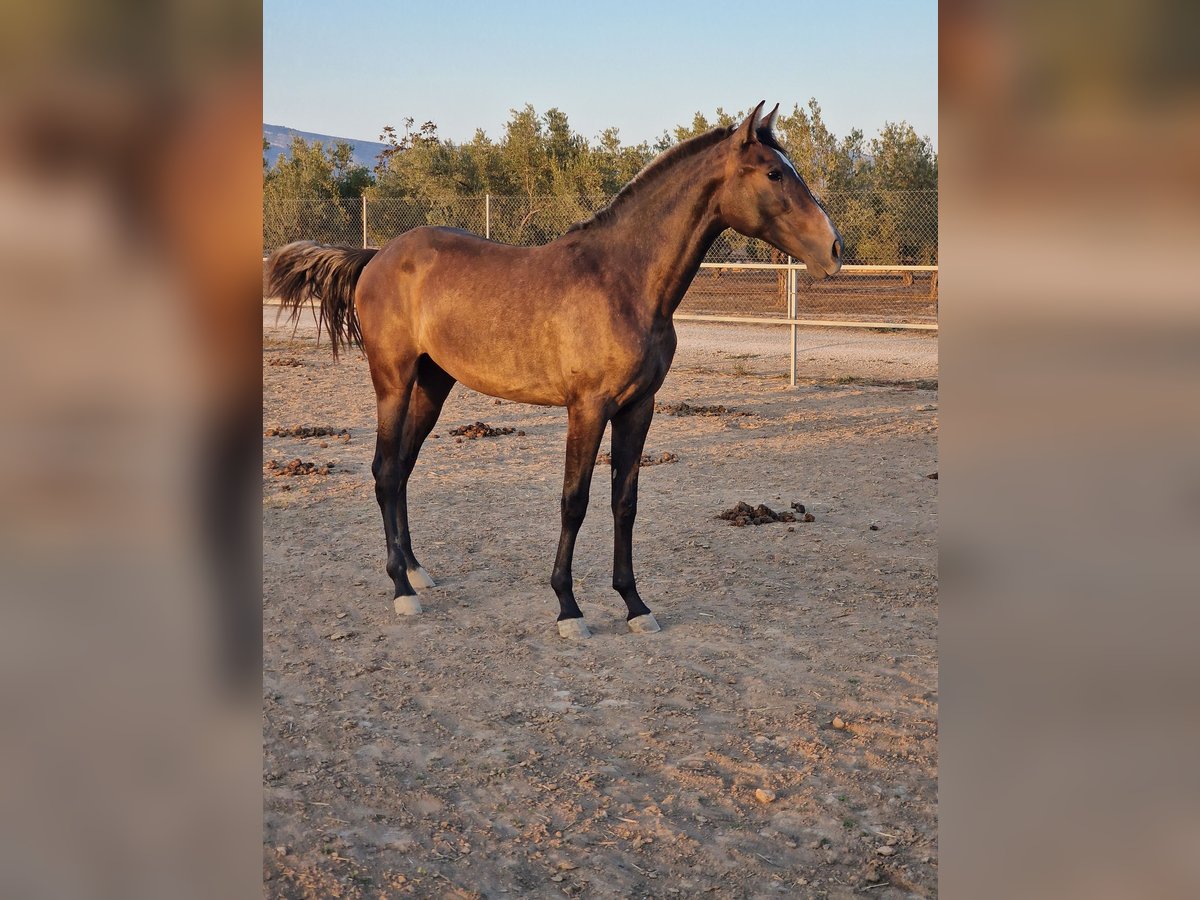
(440, 239)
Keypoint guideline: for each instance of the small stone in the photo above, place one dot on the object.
(838, 723)
(809, 517)
(874, 527)
(791, 528)
(520, 434)
(342, 615)
(798, 507)
(567, 866)
(932, 475)
(885, 850)
(552, 877)
(323, 444)
(764, 796)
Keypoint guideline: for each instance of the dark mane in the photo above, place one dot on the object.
(662, 163)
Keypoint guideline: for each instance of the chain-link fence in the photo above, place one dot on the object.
(889, 276)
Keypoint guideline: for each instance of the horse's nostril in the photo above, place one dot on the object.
(837, 249)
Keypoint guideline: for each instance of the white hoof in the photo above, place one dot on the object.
(419, 578)
(573, 629)
(407, 606)
(644, 624)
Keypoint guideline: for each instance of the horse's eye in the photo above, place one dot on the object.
(774, 174)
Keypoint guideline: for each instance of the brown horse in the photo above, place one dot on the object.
(582, 322)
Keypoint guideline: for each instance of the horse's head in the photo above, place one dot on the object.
(764, 197)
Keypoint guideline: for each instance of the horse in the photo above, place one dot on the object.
(583, 322)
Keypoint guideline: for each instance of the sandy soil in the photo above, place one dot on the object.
(471, 752)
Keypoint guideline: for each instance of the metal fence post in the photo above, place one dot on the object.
(364, 218)
(487, 216)
(792, 311)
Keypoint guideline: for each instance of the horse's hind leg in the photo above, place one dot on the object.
(429, 393)
(393, 388)
(585, 427)
(629, 428)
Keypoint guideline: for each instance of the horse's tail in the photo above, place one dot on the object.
(325, 277)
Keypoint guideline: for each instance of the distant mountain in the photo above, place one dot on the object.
(279, 137)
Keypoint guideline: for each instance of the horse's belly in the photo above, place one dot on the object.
(500, 371)
(524, 391)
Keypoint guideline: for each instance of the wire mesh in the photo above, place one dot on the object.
(324, 221)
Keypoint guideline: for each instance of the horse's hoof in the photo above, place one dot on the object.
(419, 578)
(644, 624)
(573, 629)
(408, 605)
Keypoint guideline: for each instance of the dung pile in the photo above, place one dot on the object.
(305, 431)
(481, 430)
(745, 514)
(686, 409)
(296, 467)
(648, 459)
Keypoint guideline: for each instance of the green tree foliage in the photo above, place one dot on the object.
(892, 210)
(350, 179)
(540, 173)
(306, 194)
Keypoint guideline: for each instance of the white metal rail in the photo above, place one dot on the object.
(792, 319)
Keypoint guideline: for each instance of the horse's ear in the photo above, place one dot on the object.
(747, 132)
(766, 128)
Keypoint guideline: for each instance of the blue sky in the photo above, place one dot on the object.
(349, 68)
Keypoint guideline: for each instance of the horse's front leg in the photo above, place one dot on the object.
(628, 438)
(585, 427)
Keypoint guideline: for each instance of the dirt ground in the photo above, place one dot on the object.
(777, 738)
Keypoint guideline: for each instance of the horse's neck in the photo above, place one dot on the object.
(661, 236)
